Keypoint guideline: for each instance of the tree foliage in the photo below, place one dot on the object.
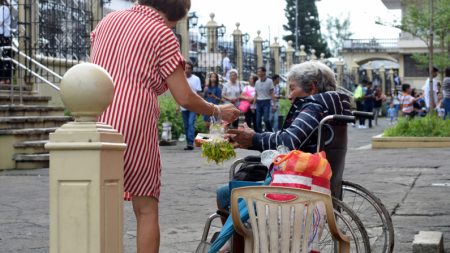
(416, 21)
(338, 30)
(308, 26)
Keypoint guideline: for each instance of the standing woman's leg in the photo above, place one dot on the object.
(147, 217)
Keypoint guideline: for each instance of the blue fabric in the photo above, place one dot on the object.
(189, 126)
(223, 193)
(228, 229)
(447, 108)
(263, 108)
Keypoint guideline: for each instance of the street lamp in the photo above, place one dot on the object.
(202, 29)
(245, 37)
(221, 30)
(192, 19)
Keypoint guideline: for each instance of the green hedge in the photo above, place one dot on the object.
(429, 126)
(168, 108)
(285, 105)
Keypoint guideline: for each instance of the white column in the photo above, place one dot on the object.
(275, 52)
(383, 80)
(237, 39)
(86, 169)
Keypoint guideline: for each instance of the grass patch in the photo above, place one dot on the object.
(429, 126)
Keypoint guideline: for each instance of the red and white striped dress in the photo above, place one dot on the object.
(139, 51)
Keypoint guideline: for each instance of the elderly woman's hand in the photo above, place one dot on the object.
(241, 137)
(229, 112)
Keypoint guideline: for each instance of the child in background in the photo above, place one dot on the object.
(392, 112)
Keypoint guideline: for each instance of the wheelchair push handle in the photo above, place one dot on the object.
(344, 118)
(364, 115)
(338, 118)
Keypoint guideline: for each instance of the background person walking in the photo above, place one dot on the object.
(189, 117)
(264, 96)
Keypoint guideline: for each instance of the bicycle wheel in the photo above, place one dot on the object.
(350, 225)
(373, 214)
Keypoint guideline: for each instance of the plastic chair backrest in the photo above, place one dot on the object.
(281, 226)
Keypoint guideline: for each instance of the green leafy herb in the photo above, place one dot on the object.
(218, 151)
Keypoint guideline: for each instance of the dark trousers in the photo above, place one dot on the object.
(263, 108)
(250, 118)
(5, 66)
(360, 107)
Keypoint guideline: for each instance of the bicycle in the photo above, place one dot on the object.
(357, 209)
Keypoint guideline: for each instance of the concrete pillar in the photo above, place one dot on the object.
(302, 53)
(383, 79)
(340, 72)
(313, 55)
(211, 30)
(86, 169)
(290, 55)
(275, 52)
(237, 40)
(257, 42)
(97, 11)
(183, 31)
(369, 71)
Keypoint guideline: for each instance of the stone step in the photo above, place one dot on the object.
(30, 110)
(16, 88)
(29, 133)
(31, 161)
(31, 147)
(20, 122)
(5, 99)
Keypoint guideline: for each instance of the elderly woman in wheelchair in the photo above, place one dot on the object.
(313, 95)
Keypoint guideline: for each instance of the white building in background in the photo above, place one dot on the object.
(409, 72)
(115, 5)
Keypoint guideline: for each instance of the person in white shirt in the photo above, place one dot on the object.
(188, 116)
(5, 40)
(426, 90)
(226, 65)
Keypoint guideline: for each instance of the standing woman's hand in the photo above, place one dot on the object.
(229, 112)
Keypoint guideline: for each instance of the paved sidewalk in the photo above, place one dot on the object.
(412, 183)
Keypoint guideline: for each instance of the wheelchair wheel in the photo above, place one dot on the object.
(350, 225)
(373, 214)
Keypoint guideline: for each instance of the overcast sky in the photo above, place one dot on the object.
(269, 17)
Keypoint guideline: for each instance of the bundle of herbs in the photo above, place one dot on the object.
(217, 149)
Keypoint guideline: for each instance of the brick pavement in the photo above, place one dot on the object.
(402, 178)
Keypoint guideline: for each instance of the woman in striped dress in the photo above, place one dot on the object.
(139, 50)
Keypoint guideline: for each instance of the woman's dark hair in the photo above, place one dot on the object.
(4, 2)
(255, 78)
(174, 10)
(447, 72)
(217, 78)
(405, 87)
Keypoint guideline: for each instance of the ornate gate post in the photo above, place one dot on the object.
(237, 39)
(183, 32)
(275, 52)
(258, 49)
(369, 71)
(340, 72)
(290, 55)
(302, 53)
(86, 169)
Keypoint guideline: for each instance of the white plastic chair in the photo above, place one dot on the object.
(281, 226)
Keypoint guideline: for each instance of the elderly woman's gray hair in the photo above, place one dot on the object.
(311, 73)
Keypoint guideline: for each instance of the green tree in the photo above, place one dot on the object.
(338, 30)
(416, 20)
(308, 25)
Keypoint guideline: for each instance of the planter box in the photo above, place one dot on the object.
(410, 142)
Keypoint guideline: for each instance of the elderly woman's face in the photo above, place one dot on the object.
(296, 91)
(233, 77)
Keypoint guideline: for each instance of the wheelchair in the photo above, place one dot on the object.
(359, 213)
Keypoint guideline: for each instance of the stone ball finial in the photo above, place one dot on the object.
(290, 43)
(275, 39)
(212, 15)
(87, 90)
(302, 47)
(237, 25)
(258, 32)
(322, 56)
